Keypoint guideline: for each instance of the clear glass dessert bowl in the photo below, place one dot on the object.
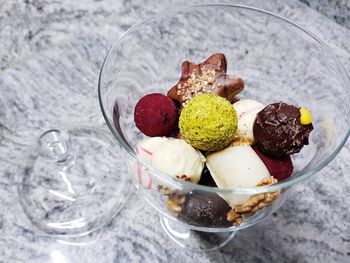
(277, 59)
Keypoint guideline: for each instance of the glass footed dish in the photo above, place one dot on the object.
(277, 59)
(73, 181)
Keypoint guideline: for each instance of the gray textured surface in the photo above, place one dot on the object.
(50, 55)
(337, 10)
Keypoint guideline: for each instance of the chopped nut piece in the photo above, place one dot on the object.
(201, 84)
(232, 215)
(174, 206)
(175, 203)
(210, 80)
(238, 221)
(241, 141)
(254, 203)
(164, 190)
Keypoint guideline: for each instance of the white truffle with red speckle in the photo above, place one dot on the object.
(246, 112)
(174, 157)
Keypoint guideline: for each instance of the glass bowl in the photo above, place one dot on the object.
(277, 59)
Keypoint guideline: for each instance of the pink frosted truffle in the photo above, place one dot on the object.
(156, 115)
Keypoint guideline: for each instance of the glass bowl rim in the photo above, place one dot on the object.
(236, 191)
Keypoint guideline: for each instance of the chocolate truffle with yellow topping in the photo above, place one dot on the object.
(281, 129)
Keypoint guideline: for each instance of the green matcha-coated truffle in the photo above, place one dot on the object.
(208, 122)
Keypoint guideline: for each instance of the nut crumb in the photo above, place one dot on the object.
(241, 141)
(198, 84)
(175, 203)
(254, 203)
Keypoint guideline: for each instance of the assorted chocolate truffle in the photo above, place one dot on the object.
(222, 142)
(236, 166)
(155, 115)
(207, 77)
(172, 156)
(208, 122)
(203, 209)
(246, 112)
(278, 130)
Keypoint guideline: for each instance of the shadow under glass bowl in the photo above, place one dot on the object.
(277, 59)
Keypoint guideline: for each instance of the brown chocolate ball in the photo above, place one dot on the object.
(278, 131)
(205, 209)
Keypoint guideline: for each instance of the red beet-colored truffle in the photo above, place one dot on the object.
(155, 115)
(279, 167)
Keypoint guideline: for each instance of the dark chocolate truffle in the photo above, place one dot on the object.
(279, 167)
(207, 77)
(278, 131)
(205, 209)
(156, 115)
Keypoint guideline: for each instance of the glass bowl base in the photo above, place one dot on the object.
(193, 239)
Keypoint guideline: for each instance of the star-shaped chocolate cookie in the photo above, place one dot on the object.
(207, 77)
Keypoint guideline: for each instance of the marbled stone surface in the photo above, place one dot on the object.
(337, 10)
(50, 56)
